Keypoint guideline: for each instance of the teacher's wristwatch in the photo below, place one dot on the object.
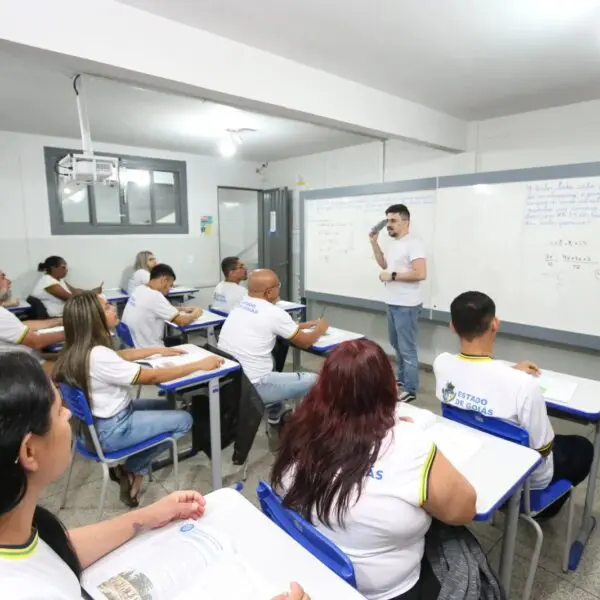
(394, 276)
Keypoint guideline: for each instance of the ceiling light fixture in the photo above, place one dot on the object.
(227, 146)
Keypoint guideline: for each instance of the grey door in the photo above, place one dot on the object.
(276, 244)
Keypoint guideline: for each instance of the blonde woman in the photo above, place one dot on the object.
(144, 261)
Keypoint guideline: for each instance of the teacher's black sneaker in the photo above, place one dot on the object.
(404, 396)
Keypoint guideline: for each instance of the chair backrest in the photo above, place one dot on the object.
(125, 334)
(38, 310)
(305, 534)
(77, 403)
(492, 425)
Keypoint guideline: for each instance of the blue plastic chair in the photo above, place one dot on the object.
(77, 403)
(532, 501)
(305, 534)
(125, 335)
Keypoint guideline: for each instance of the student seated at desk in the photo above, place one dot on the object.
(24, 335)
(474, 380)
(52, 289)
(147, 310)
(367, 480)
(89, 363)
(5, 299)
(229, 293)
(145, 261)
(39, 559)
(249, 335)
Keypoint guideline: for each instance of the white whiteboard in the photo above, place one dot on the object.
(534, 247)
(338, 258)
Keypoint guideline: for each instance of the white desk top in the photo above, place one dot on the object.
(333, 337)
(290, 306)
(21, 307)
(495, 469)
(193, 353)
(206, 319)
(115, 295)
(181, 290)
(585, 401)
(269, 550)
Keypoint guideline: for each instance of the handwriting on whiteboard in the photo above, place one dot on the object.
(562, 202)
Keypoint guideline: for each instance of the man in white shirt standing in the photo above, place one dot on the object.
(229, 292)
(404, 267)
(249, 335)
(147, 310)
(474, 381)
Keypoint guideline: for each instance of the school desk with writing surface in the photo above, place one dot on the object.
(208, 320)
(21, 308)
(332, 338)
(270, 551)
(116, 296)
(189, 383)
(577, 399)
(495, 467)
(182, 292)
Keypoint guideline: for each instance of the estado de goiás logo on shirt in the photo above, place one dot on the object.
(461, 399)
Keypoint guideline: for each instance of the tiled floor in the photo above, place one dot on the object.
(550, 582)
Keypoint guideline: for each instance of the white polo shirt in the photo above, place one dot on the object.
(140, 277)
(384, 531)
(399, 255)
(110, 380)
(12, 332)
(497, 390)
(145, 314)
(54, 306)
(227, 296)
(249, 335)
(34, 571)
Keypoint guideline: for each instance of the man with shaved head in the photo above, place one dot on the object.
(249, 335)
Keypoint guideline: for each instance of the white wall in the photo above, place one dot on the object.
(563, 135)
(25, 221)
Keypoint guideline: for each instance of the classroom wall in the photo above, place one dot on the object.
(562, 135)
(25, 222)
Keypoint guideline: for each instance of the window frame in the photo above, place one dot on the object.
(59, 227)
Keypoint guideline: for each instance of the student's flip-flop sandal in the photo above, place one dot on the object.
(125, 494)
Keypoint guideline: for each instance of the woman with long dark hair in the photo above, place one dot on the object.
(90, 363)
(39, 559)
(366, 479)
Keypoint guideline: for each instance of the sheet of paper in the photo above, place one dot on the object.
(457, 444)
(557, 389)
(194, 561)
(58, 329)
(420, 416)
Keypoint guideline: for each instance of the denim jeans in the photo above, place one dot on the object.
(275, 388)
(402, 331)
(138, 422)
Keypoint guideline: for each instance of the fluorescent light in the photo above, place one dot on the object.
(227, 147)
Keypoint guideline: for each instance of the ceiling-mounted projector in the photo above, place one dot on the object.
(84, 168)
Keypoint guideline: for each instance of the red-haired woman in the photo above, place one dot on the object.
(367, 480)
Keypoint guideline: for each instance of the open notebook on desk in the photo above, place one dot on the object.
(557, 389)
(192, 354)
(458, 444)
(57, 329)
(183, 561)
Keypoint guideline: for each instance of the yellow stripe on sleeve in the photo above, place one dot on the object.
(294, 334)
(424, 479)
(137, 375)
(22, 336)
(545, 450)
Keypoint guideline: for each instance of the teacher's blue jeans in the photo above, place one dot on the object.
(402, 331)
(138, 422)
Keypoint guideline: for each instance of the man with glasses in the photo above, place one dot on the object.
(229, 293)
(249, 335)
